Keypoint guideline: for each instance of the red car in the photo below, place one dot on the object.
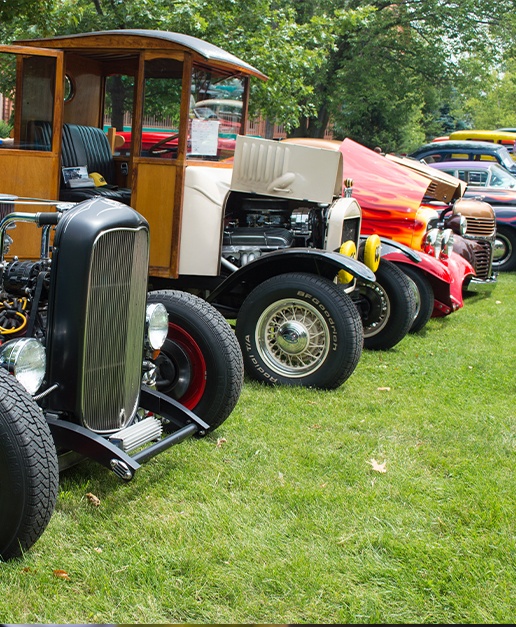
(402, 202)
(406, 201)
(493, 184)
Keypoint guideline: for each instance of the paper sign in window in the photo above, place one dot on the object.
(204, 137)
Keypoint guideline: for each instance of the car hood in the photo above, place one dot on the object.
(380, 184)
(391, 183)
(492, 195)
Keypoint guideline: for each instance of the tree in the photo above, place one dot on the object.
(395, 65)
(390, 72)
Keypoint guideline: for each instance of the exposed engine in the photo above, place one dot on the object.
(23, 297)
(254, 226)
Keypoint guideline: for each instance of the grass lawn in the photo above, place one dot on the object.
(389, 500)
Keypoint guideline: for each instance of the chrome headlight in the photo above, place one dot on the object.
(447, 242)
(157, 325)
(25, 359)
(463, 225)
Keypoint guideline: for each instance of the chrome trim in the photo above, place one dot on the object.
(113, 336)
(482, 285)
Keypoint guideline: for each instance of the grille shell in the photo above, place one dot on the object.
(115, 314)
(96, 314)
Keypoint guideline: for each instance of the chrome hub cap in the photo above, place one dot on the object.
(292, 337)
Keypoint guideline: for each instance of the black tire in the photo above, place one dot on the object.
(424, 297)
(29, 472)
(301, 330)
(200, 364)
(504, 259)
(387, 307)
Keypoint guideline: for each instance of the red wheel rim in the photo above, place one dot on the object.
(197, 385)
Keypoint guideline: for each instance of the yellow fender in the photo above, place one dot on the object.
(372, 252)
(348, 249)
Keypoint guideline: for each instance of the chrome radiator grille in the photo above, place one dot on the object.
(483, 260)
(480, 227)
(114, 329)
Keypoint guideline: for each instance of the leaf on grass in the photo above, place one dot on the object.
(97, 549)
(221, 441)
(62, 574)
(384, 389)
(376, 466)
(94, 500)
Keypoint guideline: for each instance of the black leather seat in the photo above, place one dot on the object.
(89, 146)
(83, 145)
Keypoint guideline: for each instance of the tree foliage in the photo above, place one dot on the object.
(387, 72)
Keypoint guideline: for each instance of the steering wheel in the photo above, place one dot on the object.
(159, 147)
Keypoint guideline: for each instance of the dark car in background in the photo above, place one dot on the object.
(467, 150)
(489, 182)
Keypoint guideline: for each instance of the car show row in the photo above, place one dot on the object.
(144, 269)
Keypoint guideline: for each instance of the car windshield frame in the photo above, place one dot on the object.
(492, 175)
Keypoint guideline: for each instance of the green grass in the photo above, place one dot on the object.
(287, 521)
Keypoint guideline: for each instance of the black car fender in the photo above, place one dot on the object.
(389, 246)
(232, 291)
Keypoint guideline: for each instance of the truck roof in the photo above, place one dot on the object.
(105, 43)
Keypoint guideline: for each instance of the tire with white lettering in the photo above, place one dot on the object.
(29, 473)
(299, 329)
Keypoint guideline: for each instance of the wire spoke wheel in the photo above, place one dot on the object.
(292, 338)
(300, 329)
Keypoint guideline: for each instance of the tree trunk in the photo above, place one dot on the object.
(117, 93)
(269, 129)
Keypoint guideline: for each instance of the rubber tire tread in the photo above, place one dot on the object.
(29, 469)
(339, 365)
(510, 234)
(402, 304)
(220, 348)
(426, 297)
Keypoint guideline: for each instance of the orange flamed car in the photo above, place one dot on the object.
(407, 203)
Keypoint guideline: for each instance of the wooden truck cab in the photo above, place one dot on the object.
(121, 106)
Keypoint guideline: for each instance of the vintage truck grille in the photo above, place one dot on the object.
(114, 329)
(350, 230)
(483, 259)
(480, 227)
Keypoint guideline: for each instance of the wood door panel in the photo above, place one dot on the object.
(154, 198)
(33, 174)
